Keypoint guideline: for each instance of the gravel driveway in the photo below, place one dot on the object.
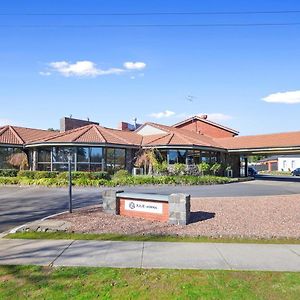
(257, 217)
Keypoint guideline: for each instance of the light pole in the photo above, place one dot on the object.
(70, 181)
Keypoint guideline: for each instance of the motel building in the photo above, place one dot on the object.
(97, 148)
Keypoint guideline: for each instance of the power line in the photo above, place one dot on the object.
(149, 25)
(156, 13)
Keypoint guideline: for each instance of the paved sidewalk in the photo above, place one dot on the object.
(219, 256)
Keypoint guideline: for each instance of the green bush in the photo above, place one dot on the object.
(9, 180)
(37, 174)
(8, 172)
(179, 169)
(204, 168)
(121, 174)
(215, 168)
(161, 168)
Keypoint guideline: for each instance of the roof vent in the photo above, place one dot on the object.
(203, 117)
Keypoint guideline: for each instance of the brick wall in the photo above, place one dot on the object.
(206, 129)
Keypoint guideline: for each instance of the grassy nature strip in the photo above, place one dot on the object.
(129, 180)
(144, 238)
(37, 282)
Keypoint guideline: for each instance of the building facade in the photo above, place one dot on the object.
(95, 148)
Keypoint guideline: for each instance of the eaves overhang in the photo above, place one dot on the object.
(261, 150)
(188, 147)
(72, 144)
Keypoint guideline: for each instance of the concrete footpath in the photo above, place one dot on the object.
(217, 256)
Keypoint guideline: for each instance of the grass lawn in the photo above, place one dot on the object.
(152, 238)
(33, 282)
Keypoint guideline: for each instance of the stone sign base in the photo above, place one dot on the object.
(173, 209)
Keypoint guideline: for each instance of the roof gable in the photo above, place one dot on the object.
(201, 119)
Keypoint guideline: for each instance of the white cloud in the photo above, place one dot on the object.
(163, 114)
(218, 117)
(86, 68)
(291, 97)
(129, 65)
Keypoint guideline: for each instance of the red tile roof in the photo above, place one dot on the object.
(95, 134)
(275, 140)
(14, 135)
(177, 137)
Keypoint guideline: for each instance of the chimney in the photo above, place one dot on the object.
(68, 123)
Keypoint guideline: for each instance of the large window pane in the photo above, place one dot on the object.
(172, 155)
(6, 154)
(119, 159)
(60, 154)
(44, 155)
(83, 154)
(96, 155)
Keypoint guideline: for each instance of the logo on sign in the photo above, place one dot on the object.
(131, 205)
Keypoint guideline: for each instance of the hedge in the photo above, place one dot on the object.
(8, 172)
(128, 180)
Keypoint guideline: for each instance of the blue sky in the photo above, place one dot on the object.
(50, 72)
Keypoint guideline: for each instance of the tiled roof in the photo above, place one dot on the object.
(15, 135)
(95, 134)
(175, 136)
(275, 140)
(205, 121)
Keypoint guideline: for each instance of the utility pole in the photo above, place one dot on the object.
(70, 181)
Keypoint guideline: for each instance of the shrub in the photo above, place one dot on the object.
(161, 168)
(99, 175)
(121, 174)
(37, 174)
(215, 168)
(204, 168)
(8, 172)
(9, 180)
(179, 169)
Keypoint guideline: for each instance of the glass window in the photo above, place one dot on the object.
(6, 154)
(205, 156)
(62, 167)
(96, 155)
(172, 157)
(119, 159)
(115, 159)
(44, 155)
(44, 167)
(96, 168)
(83, 154)
(83, 167)
(181, 156)
(110, 153)
(177, 156)
(60, 154)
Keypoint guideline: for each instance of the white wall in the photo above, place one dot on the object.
(288, 163)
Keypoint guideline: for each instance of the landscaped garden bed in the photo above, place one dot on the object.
(45, 178)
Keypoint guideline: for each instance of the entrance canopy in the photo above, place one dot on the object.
(277, 143)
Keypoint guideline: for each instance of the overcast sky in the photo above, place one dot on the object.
(244, 77)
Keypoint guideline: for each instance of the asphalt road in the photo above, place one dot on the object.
(19, 205)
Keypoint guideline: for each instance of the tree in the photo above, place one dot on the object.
(19, 160)
(147, 159)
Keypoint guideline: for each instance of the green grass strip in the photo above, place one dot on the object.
(144, 238)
